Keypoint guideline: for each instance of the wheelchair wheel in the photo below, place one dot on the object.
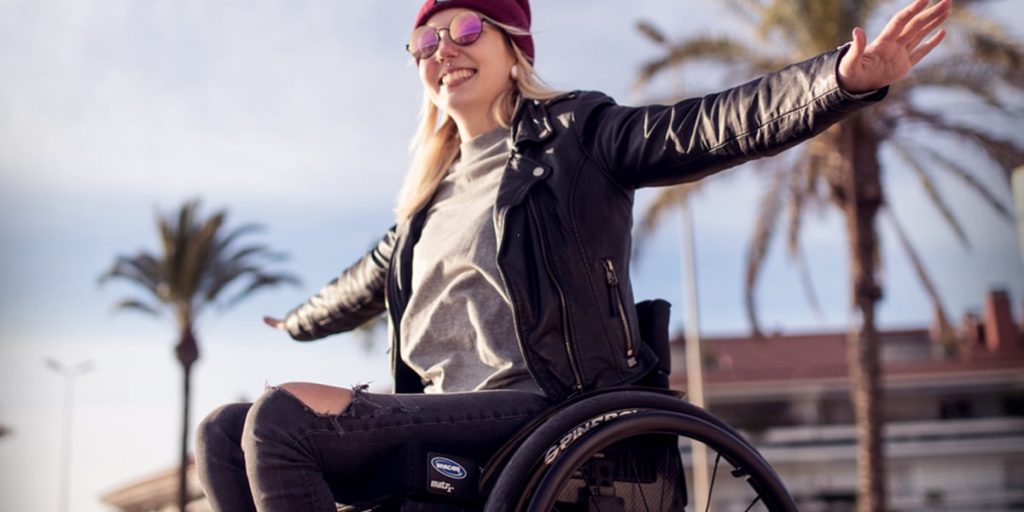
(620, 452)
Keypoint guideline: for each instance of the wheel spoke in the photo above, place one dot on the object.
(636, 476)
(711, 488)
(752, 503)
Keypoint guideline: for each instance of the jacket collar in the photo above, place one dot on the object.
(530, 123)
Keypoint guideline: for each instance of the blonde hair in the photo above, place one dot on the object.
(435, 146)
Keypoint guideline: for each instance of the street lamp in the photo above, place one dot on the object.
(69, 373)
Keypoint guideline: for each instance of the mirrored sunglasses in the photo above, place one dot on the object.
(463, 30)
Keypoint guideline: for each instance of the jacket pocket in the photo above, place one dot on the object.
(618, 309)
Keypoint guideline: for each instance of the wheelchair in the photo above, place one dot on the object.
(614, 450)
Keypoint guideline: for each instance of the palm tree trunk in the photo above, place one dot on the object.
(187, 352)
(863, 198)
(183, 469)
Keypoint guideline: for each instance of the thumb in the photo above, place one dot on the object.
(858, 45)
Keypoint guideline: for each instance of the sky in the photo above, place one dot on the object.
(297, 115)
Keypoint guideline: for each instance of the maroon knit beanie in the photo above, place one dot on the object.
(510, 12)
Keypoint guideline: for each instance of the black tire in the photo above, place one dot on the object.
(528, 483)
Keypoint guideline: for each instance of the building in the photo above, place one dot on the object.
(158, 493)
(954, 438)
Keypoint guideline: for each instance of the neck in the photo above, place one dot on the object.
(472, 126)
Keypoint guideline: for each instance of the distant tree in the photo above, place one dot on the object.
(980, 68)
(4, 431)
(201, 263)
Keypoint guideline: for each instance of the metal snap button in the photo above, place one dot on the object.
(538, 171)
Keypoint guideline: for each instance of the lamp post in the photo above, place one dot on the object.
(694, 359)
(1018, 197)
(69, 373)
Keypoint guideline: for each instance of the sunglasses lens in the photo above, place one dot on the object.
(466, 28)
(422, 42)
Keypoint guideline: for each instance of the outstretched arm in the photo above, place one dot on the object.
(353, 298)
(901, 45)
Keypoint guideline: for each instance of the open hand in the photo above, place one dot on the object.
(901, 45)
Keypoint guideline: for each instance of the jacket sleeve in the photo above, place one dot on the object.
(665, 145)
(350, 300)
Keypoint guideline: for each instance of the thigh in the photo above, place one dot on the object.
(478, 417)
(375, 426)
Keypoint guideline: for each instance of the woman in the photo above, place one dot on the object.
(506, 276)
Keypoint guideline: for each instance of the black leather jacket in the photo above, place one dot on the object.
(563, 218)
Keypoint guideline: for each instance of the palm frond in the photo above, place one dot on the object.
(921, 272)
(757, 252)
(721, 49)
(807, 26)
(932, 191)
(807, 282)
(863, 10)
(664, 201)
(651, 32)
(989, 41)
(226, 242)
(137, 305)
(799, 197)
(260, 281)
(143, 269)
(200, 258)
(229, 267)
(958, 73)
(1005, 153)
(960, 172)
(750, 11)
(197, 261)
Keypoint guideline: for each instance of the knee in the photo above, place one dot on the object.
(218, 439)
(221, 429)
(275, 410)
(319, 398)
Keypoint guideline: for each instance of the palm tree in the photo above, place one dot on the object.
(843, 167)
(200, 261)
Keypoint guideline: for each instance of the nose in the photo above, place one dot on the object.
(446, 49)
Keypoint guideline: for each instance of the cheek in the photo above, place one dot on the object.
(426, 69)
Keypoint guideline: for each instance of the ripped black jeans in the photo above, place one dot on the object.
(278, 455)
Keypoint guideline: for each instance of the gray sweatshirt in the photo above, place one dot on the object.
(457, 331)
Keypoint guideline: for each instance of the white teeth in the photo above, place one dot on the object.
(457, 75)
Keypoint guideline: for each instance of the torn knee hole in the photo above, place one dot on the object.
(321, 399)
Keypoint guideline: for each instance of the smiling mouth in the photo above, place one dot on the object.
(456, 77)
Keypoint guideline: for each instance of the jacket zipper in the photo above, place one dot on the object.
(615, 303)
(566, 335)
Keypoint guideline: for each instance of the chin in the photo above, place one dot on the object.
(462, 104)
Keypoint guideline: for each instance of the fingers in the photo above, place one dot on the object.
(927, 22)
(921, 25)
(899, 21)
(927, 47)
(273, 322)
